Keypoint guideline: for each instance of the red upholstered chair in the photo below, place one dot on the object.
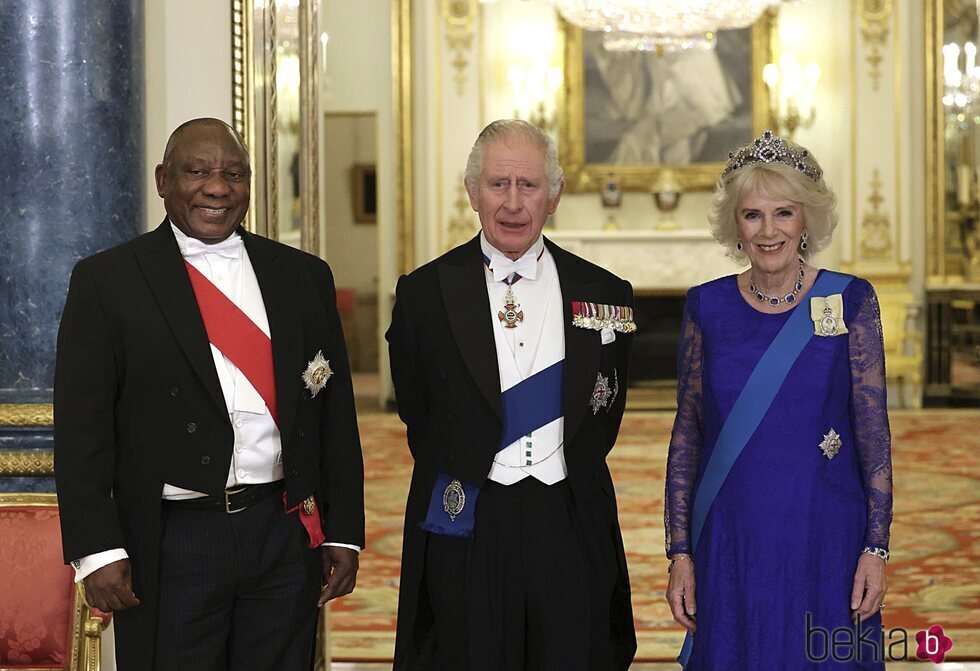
(44, 620)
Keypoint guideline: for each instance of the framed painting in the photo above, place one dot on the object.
(364, 193)
(636, 113)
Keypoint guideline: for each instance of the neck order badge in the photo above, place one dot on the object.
(511, 315)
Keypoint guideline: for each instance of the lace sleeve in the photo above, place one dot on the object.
(869, 410)
(686, 438)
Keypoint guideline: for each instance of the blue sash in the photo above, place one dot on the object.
(529, 405)
(751, 406)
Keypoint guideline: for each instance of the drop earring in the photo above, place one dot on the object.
(738, 245)
(803, 238)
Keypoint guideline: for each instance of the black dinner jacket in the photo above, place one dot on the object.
(138, 404)
(444, 368)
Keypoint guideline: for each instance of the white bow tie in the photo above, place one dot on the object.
(502, 267)
(230, 248)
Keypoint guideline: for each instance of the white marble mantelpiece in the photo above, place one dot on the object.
(653, 261)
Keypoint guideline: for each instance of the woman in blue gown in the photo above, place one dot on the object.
(778, 498)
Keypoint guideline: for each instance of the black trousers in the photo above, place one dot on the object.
(236, 591)
(514, 597)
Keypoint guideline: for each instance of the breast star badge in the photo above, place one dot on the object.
(831, 444)
(600, 394)
(316, 374)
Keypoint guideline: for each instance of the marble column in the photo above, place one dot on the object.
(72, 164)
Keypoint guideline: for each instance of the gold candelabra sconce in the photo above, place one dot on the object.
(791, 87)
(535, 90)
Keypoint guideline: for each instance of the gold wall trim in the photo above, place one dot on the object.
(875, 16)
(897, 107)
(855, 250)
(459, 16)
(461, 226)
(26, 414)
(26, 462)
(309, 123)
(876, 234)
(438, 112)
(401, 37)
(935, 149)
(241, 68)
(270, 130)
(253, 72)
(27, 498)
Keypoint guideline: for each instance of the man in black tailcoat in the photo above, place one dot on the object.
(510, 359)
(207, 456)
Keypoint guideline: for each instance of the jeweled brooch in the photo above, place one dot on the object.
(831, 444)
(316, 374)
(309, 505)
(453, 499)
(600, 394)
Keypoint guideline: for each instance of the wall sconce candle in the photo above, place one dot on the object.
(534, 89)
(791, 87)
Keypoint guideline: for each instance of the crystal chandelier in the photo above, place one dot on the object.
(661, 25)
(961, 86)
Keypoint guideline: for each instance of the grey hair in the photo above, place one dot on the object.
(515, 129)
(203, 121)
(776, 181)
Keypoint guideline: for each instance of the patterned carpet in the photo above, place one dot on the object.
(934, 576)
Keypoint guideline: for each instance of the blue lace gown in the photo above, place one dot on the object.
(781, 541)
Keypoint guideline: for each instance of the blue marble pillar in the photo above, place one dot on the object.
(72, 170)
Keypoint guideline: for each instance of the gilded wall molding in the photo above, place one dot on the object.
(460, 228)
(875, 16)
(936, 265)
(26, 462)
(876, 228)
(271, 102)
(309, 128)
(876, 174)
(253, 105)
(26, 414)
(401, 36)
(241, 66)
(459, 17)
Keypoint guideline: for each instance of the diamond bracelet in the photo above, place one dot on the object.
(880, 553)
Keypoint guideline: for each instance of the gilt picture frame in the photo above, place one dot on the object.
(636, 114)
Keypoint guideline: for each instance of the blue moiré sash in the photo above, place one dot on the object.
(752, 405)
(527, 406)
